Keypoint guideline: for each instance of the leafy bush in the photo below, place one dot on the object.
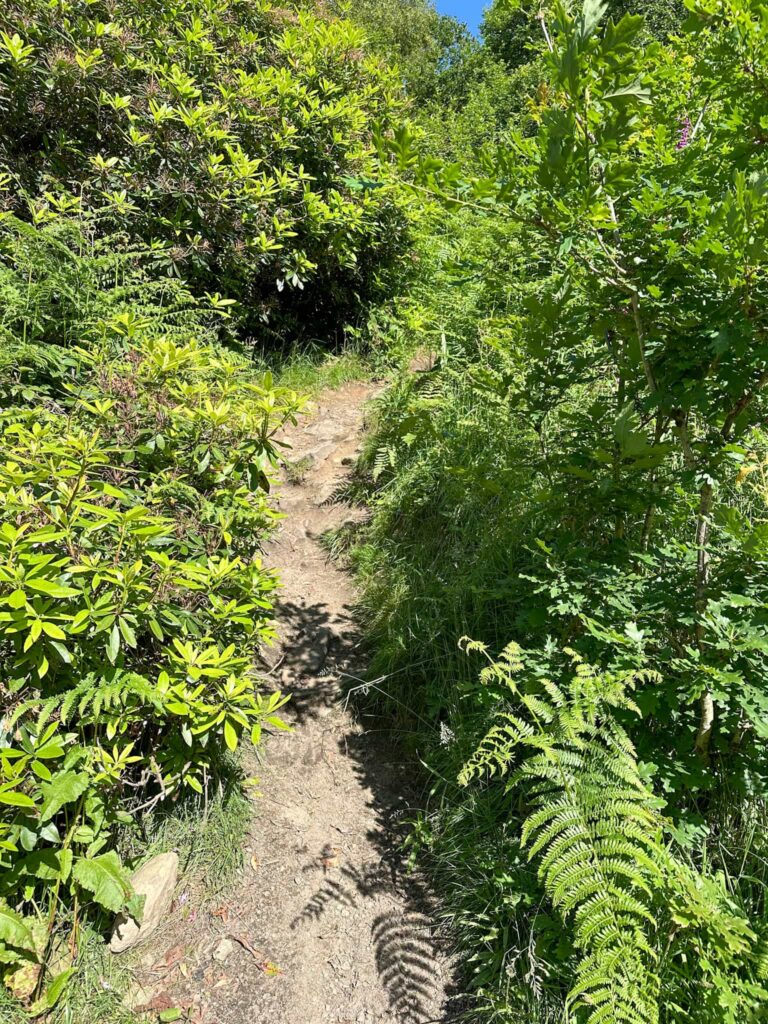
(228, 131)
(581, 469)
(133, 599)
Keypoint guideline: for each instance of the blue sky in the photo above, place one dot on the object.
(470, 11)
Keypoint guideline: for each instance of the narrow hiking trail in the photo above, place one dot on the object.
(325, 926)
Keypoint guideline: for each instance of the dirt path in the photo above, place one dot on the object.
(324, 895)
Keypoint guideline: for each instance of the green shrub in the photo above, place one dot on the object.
(133, 501)
(582, 470)
(229, 131)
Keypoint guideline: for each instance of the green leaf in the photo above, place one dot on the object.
(113, 644)
(65, 788)
(128, 634)
(56, 988)
(42, 771)
(157, 632)
(65, 863)
(619, 37)
(230, 735)
(27, 839)
(53, 631)
(61, 651)
(592, 14)
(50, 832)
(12, 798)
(51, 588)
(47, 865)
(49, 750)
(105, 878)
(14, 930)
(636, 91)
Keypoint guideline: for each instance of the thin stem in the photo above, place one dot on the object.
(707, 704)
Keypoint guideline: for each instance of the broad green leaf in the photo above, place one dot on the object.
(41, 770)
(27, 839)
(47, 865)
(62, 652)
(12, 798)
(592, 14)
(113, 644)
(65, 788)
(14, 930)
(105, 878)
(51, 588)
(53, 631)
(230, 735)
(49, 750)
(636, 91)
(128, 634)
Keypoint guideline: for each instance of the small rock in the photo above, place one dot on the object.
(156, 881)
(315, 658)
(325, 430)
(321, 452)
(224, 949)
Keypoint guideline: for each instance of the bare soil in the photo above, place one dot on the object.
(325, 925)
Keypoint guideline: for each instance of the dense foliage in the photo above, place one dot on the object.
(582, 472)
(572, 491)
(133, 599)
(227, 131)
(175, 180)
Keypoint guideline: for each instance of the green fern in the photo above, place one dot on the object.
(384, 459)
(593, 825)
(93, 697)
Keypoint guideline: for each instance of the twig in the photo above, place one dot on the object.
(274, 667)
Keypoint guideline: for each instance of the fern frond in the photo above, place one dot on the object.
(592, 824)
(93, 697)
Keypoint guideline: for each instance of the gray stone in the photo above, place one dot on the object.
(156, 881)
(315, 656)
(224, 949)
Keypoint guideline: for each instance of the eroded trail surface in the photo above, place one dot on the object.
(325, 896)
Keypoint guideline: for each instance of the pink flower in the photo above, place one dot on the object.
(685, 133)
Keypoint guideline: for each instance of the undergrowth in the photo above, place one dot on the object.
(135, 495)
(576, 482)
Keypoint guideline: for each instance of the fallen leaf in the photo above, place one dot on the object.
(174, 954)
(167, 1016)
(162, 1001)
(172, 957)
(255, 953)
(269, 968)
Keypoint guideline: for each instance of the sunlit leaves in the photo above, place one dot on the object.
(195, 126)
(132, 595)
